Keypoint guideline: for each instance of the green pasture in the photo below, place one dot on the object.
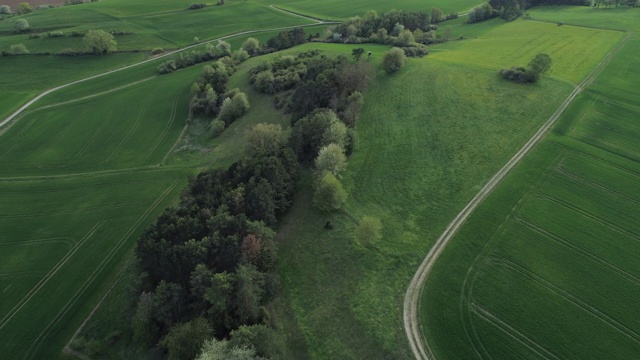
(546, 267)
(11, 101)
(574, 50)
(336, 9)
(428, 137)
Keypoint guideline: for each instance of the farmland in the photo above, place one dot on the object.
(545, 268)
(335, 9)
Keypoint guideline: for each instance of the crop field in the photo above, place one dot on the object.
(154, 28)
(547, 266)
(336, 9)
(574, 50)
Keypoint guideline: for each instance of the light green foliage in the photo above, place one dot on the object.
(329, 195)
(184, 341)
(221, 350)
(335, 133)
(5, 10)
(21, 25)
(223, 48)
(18, 49)
(393, 60)
(405, 38)
(25, 8)
(437, 15)
(265, 137)
(240, 56)
(100, 42)
(332, 159)
(368, 230)
(233, 108)
(251, 45)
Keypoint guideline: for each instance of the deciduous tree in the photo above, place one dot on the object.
(100, 42)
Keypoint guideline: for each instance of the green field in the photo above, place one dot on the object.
(546, 266)
(336, 9)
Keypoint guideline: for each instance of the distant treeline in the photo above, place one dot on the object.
(512, 9)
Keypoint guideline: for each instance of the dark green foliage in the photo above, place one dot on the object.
(416, 50)
(539, 65)
(184, 341)
(357, 53)
(308, 134)
(366, 27)
(213, 255)
(264, 340)
(197, 6)
(285, 40)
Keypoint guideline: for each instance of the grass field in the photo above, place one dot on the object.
(169, 25)
(335, 9)
(546, 266)
(427, 139)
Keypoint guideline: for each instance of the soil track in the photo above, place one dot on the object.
(419, 345)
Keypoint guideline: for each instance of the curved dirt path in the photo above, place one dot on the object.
(419, 345)
(47, 92)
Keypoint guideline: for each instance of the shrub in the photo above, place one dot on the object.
(5, 10)
(100, 42)
(55, 34)
(393, 60)
(25, 8)
(197, 6)
(216, 127)
(77, 34)
(157, 51)
(70, 52)
(368, 230)
(265, 137)
(21, 25)
(332, 159)
(251, 45)
(234, 107)
(35, 36)
(417, 50)
(329, 194)
(18, 49)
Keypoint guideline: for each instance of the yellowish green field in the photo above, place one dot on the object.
(574, 50)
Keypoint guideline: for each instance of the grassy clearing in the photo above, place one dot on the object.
(428, 138)
(334, 9)
(545, 267)
(574, 50)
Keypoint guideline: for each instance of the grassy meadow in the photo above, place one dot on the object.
(546, 266)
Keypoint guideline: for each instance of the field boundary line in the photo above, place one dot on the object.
(5, 320)
(15, 114)
(417, 341)
(105, 261)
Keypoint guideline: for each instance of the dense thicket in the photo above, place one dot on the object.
(211, 257)
(308, 81)
(512, 9)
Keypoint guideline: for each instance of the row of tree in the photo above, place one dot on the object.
(511, 9)
(395, 27)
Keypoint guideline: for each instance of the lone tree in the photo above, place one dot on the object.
(329, 194)
(540, 64)
(5, 10)
(393, 60)
(331, 158)
(21, 25)
(100, 42)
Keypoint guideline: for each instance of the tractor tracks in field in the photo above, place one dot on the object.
(418, 343)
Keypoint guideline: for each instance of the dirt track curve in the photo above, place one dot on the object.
(419, 345)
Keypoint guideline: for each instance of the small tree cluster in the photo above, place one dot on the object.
(221, 51)
(481, 13)
(538, 66)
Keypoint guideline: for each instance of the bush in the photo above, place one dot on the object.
(216, 127)
(21, 25)
(157, 51)
(5, 10)
(417, 50)
(393, 60)
(35, 36)
(332, 159)
(251, 45)
(18, 49)
(25, 8)
(70, 52)
(265, 137)
(233, 108)
(368, 230)
(100, 42)
(329, 194)
(73, 2)
(55, 34)
(197, 6)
